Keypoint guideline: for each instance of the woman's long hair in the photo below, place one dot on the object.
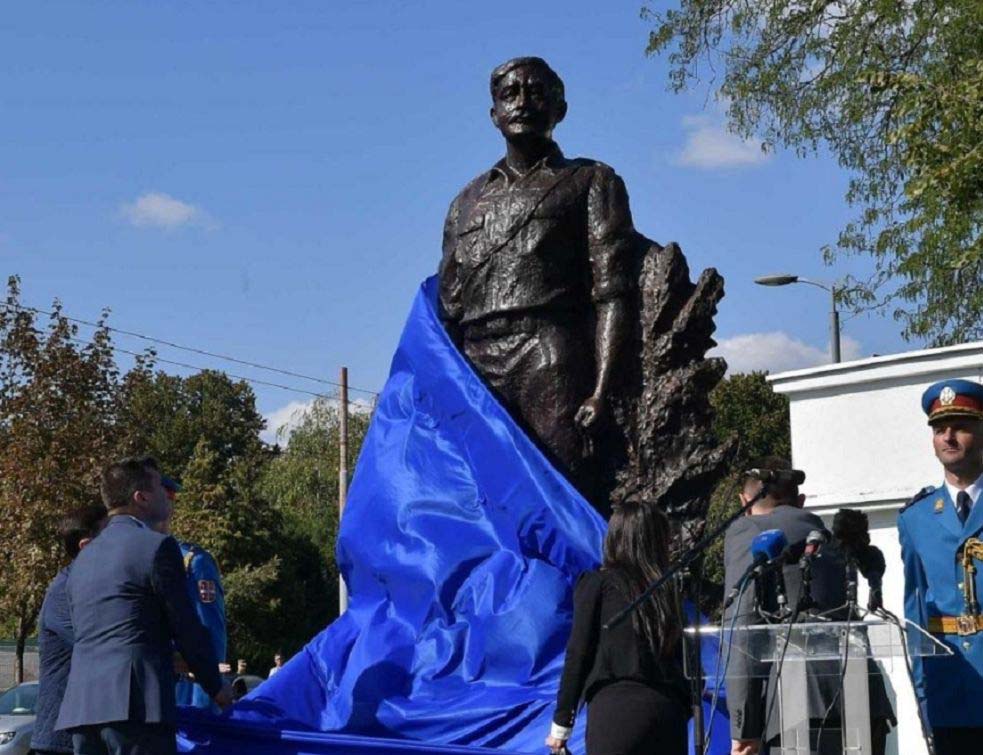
(636, 549)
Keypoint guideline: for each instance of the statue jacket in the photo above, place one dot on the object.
(558, 238)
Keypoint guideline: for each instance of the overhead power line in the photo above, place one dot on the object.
(254, 381)
(193, 350)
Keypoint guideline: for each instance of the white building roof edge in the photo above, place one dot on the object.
(964, 358)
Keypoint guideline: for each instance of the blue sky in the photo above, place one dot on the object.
(269, 179)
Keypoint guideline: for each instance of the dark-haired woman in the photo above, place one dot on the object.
(630, 675)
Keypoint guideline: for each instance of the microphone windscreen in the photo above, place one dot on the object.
(852, 529)
(871, 562)
(768, 545)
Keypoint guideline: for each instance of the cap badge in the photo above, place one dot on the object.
(947, 396)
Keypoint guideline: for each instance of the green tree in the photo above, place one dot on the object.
(204, 429)
(58, 400)
(302, 482)
(745, 406)
(894, 90)
(167, 416)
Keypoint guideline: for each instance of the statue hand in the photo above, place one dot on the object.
(590, 413)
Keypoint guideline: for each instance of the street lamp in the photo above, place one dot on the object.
(834, 315)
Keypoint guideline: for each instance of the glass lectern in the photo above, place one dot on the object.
(817, 666)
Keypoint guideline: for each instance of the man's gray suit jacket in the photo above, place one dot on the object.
(130, 609)
(752, 715)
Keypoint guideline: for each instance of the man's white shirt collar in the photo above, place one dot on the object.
(973, 490)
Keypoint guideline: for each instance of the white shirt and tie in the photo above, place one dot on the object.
(964, 500)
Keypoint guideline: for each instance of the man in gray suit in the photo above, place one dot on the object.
(753, 718)
(55, 638)
(129, 607)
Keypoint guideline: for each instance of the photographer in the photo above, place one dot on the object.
(753, 714)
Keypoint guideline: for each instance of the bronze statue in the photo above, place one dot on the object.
(551, 294)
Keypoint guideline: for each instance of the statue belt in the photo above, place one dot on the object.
(504, 325)
(971, 621)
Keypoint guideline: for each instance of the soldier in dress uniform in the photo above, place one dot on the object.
(207, 596)
(941, 534)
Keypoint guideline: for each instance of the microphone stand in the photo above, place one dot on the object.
(806, 601)
(679, 569)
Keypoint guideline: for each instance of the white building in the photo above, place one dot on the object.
(859, 433)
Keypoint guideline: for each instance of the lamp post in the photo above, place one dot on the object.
(834, 315)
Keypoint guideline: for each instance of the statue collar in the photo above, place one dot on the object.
(552, 159)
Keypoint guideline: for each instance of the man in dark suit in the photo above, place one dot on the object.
(129, 609)
(55, 636)
(754, 719)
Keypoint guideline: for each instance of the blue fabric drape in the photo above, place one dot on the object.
(460, 545)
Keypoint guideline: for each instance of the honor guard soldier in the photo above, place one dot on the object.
(207, 596)
(941, 534)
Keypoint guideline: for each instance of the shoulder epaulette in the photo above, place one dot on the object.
(193, 550)
(920, 495)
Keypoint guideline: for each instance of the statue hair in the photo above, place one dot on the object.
(555, 82)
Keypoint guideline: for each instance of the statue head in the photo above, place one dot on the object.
(527, 99)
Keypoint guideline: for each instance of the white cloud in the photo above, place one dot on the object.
(776, 352)
(710, 145)
(280, 423)
(154, 209)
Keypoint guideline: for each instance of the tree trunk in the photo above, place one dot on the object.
(22, 629)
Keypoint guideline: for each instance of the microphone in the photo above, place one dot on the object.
(813, 543)
(766, 547)
(852, 529)
(786, 476)
(872, 566)
(815, 540)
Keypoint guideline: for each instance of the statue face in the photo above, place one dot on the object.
(523, 105)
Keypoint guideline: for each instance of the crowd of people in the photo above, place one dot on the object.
(630, 676)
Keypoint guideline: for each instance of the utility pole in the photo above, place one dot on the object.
(342, 474)
(834, 328)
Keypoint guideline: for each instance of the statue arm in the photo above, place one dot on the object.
(612, 324)
(612, 240)
(448, 273)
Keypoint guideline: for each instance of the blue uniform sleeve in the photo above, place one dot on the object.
(205, 582)
(189, 635)
(915, 586)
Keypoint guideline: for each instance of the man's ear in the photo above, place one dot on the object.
(494, 118)
(561, 112)
(84, 542)
(800, 500)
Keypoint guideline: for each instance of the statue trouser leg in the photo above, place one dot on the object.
(542, 378)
